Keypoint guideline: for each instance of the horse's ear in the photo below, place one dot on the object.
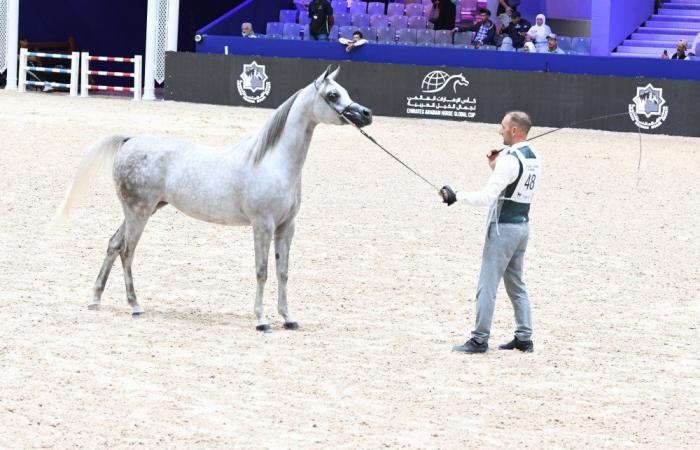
(334, 74)
(323, 76)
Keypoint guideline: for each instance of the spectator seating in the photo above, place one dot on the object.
(379, 21)
(443, 38)
(291, 31)
(395, 9)
(369, 33)
(398, 22)
(288, 16)
(342, 19)
(414, 9)
(304, 18)
(463, 39)
(407, 36)
(375, 8)
(275, 28)
(425, 37)
(339, 6)
(360, 20)
(358, 7)
(581, 45)
(386, 35)
(346, 32)
(417, 22)
(564, 43)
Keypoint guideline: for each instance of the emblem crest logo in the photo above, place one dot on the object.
(648, 109)
(437, 100)
(253, 84)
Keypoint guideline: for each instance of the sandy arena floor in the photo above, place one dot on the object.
(382, 281)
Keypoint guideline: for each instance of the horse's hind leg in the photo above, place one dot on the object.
(283, 240)
(115, 244)
(262, 234)
(134, 226)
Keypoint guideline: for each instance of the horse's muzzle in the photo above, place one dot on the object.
(359, 115)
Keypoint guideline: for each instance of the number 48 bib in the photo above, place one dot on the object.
(529, 179)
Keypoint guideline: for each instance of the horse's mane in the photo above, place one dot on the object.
(272, 130)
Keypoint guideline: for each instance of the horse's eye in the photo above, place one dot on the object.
(332, 96)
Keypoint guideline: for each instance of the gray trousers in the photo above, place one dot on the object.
(503, 258)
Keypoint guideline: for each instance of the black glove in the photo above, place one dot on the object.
(448, 195)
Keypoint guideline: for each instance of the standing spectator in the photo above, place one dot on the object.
(681, 49)
(538, 33)
(247, 30)
(321, 15)
(507, 6)
(552, 45)
(357, 40)
(485, 30)
(443, 15)
(517, 29)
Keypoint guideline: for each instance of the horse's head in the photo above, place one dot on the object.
(332, 102)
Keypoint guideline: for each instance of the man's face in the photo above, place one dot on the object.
(356, 37)
(245, 31)
(540, 22)
(552, 42)
(680, 48)
(506, 130)
(483, 17)
(515, 20)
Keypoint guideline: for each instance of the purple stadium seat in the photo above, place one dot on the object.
(369, 33)
(291, 31)
(334, 33)
(342, 19)
(443, 38)
(463, 39)
(395, 9)
(417, 22)
(414, 9)
(398, 22)
(425, 37)
(427, 9)
(358, 7)
(564, 43)
(379, 21)
(288, 16)
(386, 36)
(339, 6)
(346, 32)
(274, 28)
(304, 18)
(407, 36)
(581, 45)
(375, 8)
(360, 20)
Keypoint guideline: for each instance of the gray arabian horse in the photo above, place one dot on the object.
(257, 182)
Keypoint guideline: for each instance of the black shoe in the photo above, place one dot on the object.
(471, 346)
(517, 344)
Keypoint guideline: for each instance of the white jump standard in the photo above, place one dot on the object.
(74, 58)
(85, 72)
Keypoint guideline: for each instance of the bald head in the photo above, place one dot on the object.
(515, 126)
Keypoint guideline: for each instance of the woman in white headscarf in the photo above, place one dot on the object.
(539, 31)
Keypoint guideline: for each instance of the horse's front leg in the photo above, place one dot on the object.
(283, 240)
(262, 234)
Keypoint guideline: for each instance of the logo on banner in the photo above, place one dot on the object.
(252, 84)
(648, 110)
(439, 97)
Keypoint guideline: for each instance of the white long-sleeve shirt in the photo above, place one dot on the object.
(504, 173)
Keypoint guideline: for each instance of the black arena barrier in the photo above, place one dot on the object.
(478, 95)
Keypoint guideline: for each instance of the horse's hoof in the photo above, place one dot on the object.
(291, 325)
(265, 328)
(94, 306)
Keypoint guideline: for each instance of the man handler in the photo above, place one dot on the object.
(509, 192)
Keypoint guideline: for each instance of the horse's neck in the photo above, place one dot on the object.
(298, 131)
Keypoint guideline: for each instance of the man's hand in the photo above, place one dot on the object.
(448, 195)
(348, 48)
(453, 31)
(492, 155)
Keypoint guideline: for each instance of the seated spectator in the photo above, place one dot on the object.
(485, 30)
(321, 15)
(356, 41)
(695, 48)
(517, 29)
(443, 15)
(681, 49)
(664, 55)
(529, 47)
(247, 30)
(552, 45)
(538, 33)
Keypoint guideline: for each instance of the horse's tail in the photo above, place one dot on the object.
(98, 157)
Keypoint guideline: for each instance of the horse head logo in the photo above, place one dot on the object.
(438, 80)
